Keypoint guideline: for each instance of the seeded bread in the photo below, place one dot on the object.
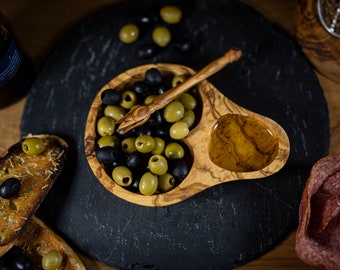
(37, 174)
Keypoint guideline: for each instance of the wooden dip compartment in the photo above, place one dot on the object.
(226, 143)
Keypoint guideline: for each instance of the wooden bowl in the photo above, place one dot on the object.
(259, 149)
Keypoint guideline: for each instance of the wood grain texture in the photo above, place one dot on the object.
(45, 26)
(214, 106)
(322, 49)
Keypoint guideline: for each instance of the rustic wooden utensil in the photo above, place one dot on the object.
(140, 114)
(253, 145)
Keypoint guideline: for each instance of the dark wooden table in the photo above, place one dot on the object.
(41, 24)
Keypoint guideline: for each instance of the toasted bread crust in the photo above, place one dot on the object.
(37, 239)
(37, 175)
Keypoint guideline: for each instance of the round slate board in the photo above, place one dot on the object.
(224, 226)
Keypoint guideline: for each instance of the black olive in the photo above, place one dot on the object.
(9, 188)
(137, 161)
(144, 130)
(184, 46)
(22, 262)
(142, 89)
(148, 50)
(156, 118)
(179, 168)
(130, 133)
(162, 88)
(134, 187)
(153, 76)
(110, 97)
(109, 155)
(16, 259)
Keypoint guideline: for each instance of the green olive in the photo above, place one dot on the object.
(52, 260)
(148, 183)
(174, 151)
(33, 146)
(109, 140)
(174, 111)
(128, 99)
(159, 146)
(129, 33)
(171, 14)
(178, 79)
(158, 165)
(179, 130)
(128, 145)
(189, 118)
(161, 36)
(106, 126)
(149, 99)
(188, 101)
(116, 112)
(166, 182)
(122, 175)
(144, 143)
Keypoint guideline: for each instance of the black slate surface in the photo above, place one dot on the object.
(224, 226)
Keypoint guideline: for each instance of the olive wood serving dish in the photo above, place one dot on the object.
(204, 172)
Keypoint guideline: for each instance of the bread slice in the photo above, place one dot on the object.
(37, 174)
(37, 239)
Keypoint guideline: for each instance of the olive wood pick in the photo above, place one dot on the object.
(141, 113)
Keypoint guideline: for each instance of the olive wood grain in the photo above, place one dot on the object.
(204, 172)
(140, 114)
(320, 47)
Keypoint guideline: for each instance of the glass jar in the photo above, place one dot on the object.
(16, 68)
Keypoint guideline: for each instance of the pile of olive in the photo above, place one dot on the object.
(16, 259)
(159, 31)
(150, 158)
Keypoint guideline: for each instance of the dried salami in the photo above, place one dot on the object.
(318, 233)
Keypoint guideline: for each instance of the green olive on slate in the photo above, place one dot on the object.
(148, 184)
(159, 146)
(166, 182)
(179, 130)
(174, 150)
(128, 145)
(174, 111)
(171, 14)
(161, 36)
(158, 164)
(129, 33)
(114, 111)
(108, 140)
(33, 146)
(52, 260)
(189, 118)
(178, 79)
(106, 126)
(122, 175)
(144, 143)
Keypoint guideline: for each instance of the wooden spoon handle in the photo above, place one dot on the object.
(140, 114)
(164, 99)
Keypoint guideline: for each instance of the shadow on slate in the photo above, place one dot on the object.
(224, 226)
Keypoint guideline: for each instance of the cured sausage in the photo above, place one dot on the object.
(318, 233)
